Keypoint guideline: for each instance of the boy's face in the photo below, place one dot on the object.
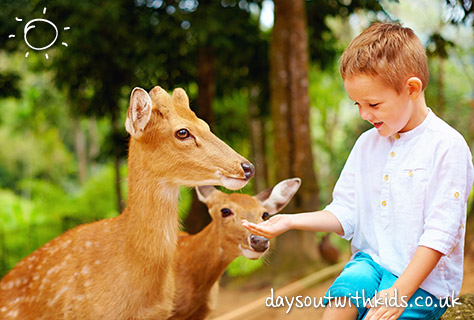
(388, 111)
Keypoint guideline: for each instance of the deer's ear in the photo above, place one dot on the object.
(204, 192)
(180, 98)
(161, 100)
(276, 198)
(139, 112)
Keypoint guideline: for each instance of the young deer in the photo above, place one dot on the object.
(122, 268)
(202, 258)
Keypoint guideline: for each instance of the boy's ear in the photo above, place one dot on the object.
(415, 87)
(276, 198)
(139, 112)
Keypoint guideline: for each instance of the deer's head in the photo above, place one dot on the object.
(169, 141)
(228, 211)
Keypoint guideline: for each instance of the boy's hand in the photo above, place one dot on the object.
(271, 228)
(387, 305)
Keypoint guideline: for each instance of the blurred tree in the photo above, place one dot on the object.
(323, 43)
(437, 49)
(289, 62)
(9, 81)
(9, 85)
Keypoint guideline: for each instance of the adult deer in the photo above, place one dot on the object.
(202, 258)
(122, 268)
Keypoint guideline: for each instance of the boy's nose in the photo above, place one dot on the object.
(365, 115)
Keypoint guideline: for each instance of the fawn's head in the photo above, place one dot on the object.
(228, 211)
(171, 142)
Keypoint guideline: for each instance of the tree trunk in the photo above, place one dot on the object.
(94, 145)
(290, 108)
(206, 80)
(81, 150)
(257, 137)
(198, 216)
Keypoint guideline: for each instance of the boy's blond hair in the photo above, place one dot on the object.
(389, 51)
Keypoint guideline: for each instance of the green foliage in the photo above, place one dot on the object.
(242, 266)
(49, 210)
(231, 113)
(22, 230)
(9, 85)
(184, 202)
(323, 42)
(335, 126)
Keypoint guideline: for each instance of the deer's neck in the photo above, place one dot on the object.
(208, 260)
(150, 219)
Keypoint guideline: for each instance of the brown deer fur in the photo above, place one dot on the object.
(122, 268)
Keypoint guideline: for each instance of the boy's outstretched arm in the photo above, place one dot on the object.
(423, 262)
(318, 221)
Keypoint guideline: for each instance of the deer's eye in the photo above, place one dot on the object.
(265, 215)
(182, 134)
(225, 212)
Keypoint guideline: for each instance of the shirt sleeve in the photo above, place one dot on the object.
(447, 193)
(343, 203)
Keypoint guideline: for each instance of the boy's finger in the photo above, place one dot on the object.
(254, 228)
(249, 225)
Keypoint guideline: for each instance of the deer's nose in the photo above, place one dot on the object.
(249, 170)
(259, 244)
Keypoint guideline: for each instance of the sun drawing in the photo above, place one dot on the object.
(30, 25)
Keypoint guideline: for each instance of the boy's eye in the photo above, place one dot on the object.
(373, 105)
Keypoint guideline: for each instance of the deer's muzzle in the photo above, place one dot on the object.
(258, 243)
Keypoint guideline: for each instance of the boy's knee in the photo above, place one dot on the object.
(358, 282)
(361, 276)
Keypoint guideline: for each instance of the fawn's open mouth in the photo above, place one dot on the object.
(249, 253)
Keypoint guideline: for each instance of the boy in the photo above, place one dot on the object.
(402, 194)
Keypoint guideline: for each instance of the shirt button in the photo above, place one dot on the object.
(456, 195)
(385, 177)
(396, 136)
(384, 203)
(410, 173)
(392, 154)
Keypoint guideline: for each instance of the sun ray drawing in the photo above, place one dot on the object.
(31, 25)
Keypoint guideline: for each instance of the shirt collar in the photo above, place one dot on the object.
(415, 131)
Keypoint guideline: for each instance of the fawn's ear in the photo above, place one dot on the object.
(139, 112)
(276, 198)
(204, 192)
(180, 98)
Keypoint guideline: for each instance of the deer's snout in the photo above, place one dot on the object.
(258, 243)
(249, 170)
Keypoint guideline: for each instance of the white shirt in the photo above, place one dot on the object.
(397, 193)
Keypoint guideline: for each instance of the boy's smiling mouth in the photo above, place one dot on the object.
(378, 124)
